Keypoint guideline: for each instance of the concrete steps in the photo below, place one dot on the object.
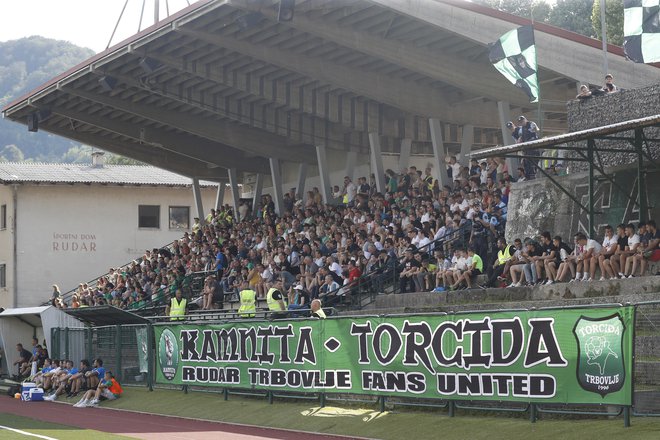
(564, 294)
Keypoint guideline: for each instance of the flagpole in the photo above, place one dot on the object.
(538, 88)
(603, 29)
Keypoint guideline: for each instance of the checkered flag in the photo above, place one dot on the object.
(641, 30)
(514, 55)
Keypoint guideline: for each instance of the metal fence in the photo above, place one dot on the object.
(119, 346)
(122, 346)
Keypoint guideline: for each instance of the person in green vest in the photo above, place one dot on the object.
(275, 300)
(248, 301)
(176, 309)
(475, 268)
(500, 265)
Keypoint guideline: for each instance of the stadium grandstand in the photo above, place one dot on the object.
(393, 177)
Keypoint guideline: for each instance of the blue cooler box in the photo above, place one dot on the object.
(36, 395)
(25, 389)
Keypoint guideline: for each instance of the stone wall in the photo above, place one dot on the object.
(538, 205)
(617, 107)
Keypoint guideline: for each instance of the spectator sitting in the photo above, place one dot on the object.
(108, 389)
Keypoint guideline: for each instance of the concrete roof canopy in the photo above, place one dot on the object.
(224, 84)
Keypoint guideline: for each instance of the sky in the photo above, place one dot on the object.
(86, 23)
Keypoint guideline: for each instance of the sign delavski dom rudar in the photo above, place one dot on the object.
(528, 356)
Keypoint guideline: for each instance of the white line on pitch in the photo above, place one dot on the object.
(29, 434)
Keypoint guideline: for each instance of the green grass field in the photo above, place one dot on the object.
(351, 420)
(60, 432)
(367, 422)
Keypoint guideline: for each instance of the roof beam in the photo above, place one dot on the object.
(167, 161)
(286, 94)
(406, 96)
(234, 135)
(448, 68)
(563, 55)
(182, 145)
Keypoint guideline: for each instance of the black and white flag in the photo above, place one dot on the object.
(514, 55)
(641, 30)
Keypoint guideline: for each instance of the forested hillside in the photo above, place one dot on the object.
(24, 65)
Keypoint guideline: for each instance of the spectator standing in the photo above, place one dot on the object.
(248, 297)
(176, 309)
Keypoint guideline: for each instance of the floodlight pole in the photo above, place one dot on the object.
(156, 11)
(591, 146)
(603, 31)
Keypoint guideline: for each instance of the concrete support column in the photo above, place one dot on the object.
(220, 196)
(302, 178)
(197, 195)
(276, 177)
(233, 183)
(404, 156)
(467, 140)
(377, 162)
(351, 159)
(439, 152)
(324, 175)
(256, 193)
(504, 113)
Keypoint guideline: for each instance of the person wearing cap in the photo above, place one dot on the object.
(515, 131)
(298, 299)
(609, 86)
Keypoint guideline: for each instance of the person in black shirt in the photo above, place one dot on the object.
(562, 250)
(410, 268)
(549, 254)
(24, 357)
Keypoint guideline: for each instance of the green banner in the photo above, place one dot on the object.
(143, 351)
(555, 356)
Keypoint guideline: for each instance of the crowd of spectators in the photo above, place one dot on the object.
(321, 248)
(431, 237)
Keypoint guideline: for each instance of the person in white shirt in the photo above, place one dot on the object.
(587, 260)
(333, 266)
(610, 246)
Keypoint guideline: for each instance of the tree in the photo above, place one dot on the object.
(114, 159)
(573, 15)
(538, 9)
(11, 153)
(613, 19)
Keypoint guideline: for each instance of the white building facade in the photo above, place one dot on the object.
(66, 224)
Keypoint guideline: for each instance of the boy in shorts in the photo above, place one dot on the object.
(108, 389)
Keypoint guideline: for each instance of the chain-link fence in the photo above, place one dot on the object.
(646, 369)
(124, 349)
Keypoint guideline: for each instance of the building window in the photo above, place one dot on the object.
(179, 217)
(3, 217)
(3, 275)
(149, 216)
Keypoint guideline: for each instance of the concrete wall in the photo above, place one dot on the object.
(538, 205)
(68, 234)
(6, 245)
(617, 107)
